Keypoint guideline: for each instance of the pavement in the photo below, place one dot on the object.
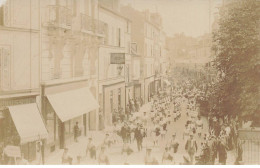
(136, 158)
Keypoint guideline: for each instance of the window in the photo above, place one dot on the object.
(5, 68)
(118, 37)
(112, 35)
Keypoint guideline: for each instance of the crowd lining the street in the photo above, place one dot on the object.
(166, 107)
(147, 125)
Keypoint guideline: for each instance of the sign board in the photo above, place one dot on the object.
(117, 58)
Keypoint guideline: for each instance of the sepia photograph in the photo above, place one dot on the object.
(129, 82)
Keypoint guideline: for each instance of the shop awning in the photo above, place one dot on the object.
(28, 122)
(71, 104)
(167, 82)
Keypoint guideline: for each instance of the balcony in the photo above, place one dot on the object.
(87, 24)
(59, 17)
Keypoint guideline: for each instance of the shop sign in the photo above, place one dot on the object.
(117, 58)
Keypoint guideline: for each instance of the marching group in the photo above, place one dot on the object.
(148, 128)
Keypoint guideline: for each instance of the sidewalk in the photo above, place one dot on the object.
(79, 148)
(75, 148)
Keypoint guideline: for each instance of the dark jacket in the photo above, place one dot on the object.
(138, 134)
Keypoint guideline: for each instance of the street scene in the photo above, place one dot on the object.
(129, 82)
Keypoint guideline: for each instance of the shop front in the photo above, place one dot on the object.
(64, 105)
(113, 102)
(21, 125)
(137, 91)
(149, 89)
(129, 93)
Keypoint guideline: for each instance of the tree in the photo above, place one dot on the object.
(236, 44)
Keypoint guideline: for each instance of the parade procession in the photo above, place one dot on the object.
(129, 82)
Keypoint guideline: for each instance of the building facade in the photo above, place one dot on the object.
(49, 59)
(20, 73)
(70, 37)
(147, 34)
(114, 77)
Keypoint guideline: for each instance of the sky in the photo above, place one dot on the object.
(190, 17)
(2, 2)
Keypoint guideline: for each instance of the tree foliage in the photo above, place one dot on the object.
(236, 44)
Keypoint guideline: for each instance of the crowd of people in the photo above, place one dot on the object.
(147, 128)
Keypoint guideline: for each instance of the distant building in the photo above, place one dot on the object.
(146, 33)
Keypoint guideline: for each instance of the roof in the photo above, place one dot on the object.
(114, 12)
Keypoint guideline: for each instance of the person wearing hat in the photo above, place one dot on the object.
(174, 144)
(103, 158)
(139, 137)
(145, 122)
(124, 131)
(107, 142)
(91, 149)
(191, 147)
(76, 131)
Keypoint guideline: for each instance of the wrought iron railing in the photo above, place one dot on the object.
(59, 16)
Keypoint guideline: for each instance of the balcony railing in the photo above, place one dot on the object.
(87, 23)
(59, 16)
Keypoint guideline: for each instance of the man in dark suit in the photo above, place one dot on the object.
(191, 147)
(139, 137)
